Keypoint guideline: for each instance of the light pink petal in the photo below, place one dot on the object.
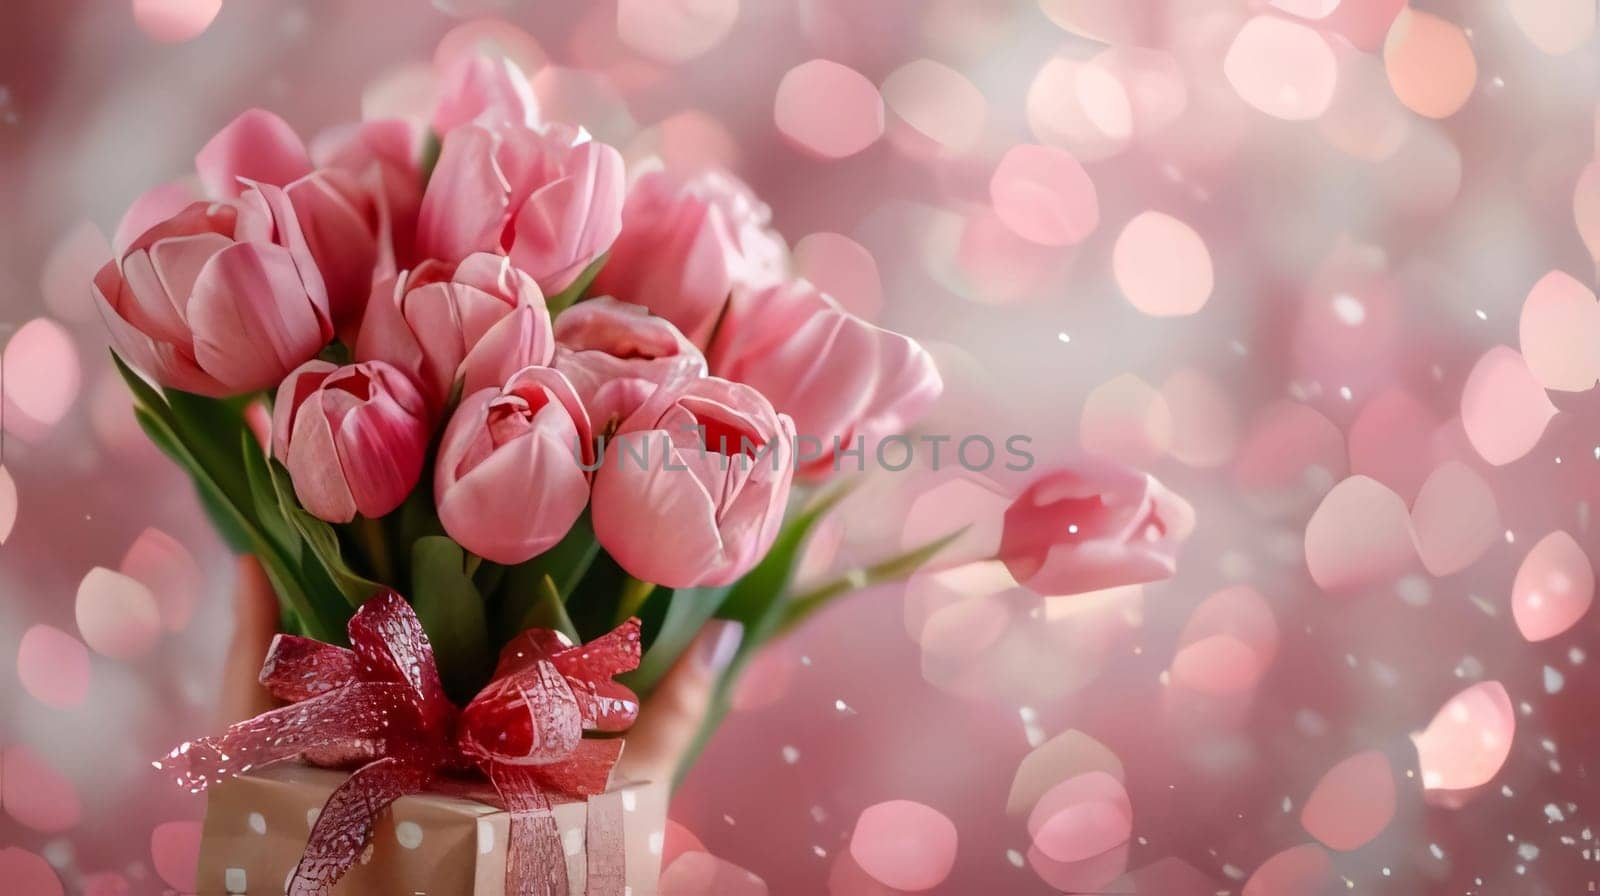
(41, 373)
(1553, 588)
(938, 101)
(1162, 266)
(8, 503)
(175, 21)
(1043, 195)
(1360, 535)
(1304, 869)
(1283, 68)
(1503, 406)
(828, 109)
(1560, 333)
(117, 615)
(175, 853)
(904, 845)
(53, 667)
(1468, 740)
(163, 565)
(35, 793)
(1430, 63)
(1091, 875)
(1352, 803)
(256, 146)
(1081, 817)
(28, 872)
(1069, 754)
(522, 498)
(1217, 665)
(252, 318)
(1455, 519)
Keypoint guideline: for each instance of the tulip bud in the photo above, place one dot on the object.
(352, 437)
(1093, 526)
(487, 91)
(221, 299)
(477, 322)
(691, 491)
(510, 478)
(685, 247)
(842, 379)
(550, 199)
(616, 354)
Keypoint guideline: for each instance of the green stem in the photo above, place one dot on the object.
(370, 532)
(634, 593)
(472, 564)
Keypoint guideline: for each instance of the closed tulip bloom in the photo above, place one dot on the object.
(550, 199)
(353, 437)
(221, 299)
(484, 90)
(1092, 526)
(616, 354)
(511, 477)
(686, 246)
(344, 212)
(842, 379)
(477, 322)
(692, 490)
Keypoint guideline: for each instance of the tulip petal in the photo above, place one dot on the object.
(468, 199)
(256, 146)
(252, 318)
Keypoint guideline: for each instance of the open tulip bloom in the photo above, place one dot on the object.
(513, 388)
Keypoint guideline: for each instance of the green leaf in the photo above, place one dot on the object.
(564, 565)
(321, 541)
(451, 612)
(687, 610)
(144, 394)
(431, 146)
(575, 293)
(546, 610)
(893, 569)
(269, 515)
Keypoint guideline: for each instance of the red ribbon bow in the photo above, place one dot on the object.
(381, 703)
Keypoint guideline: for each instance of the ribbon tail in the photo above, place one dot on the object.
(536, 865)
(350, 714)
(345, 823)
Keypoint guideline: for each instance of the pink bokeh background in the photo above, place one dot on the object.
(1325, 268)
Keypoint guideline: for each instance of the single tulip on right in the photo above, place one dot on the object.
(1092, 526)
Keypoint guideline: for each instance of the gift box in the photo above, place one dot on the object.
(449, 841)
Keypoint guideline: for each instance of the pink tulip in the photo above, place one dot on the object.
(385, 155)
(1093, 526)
(616, 354)
(343, 211)
(477, 322)
(691, 491)
(223, 298)
(684, 248)
(511, 477)
(846, 383)
(352, 437)
(552, 200)
(485, 90)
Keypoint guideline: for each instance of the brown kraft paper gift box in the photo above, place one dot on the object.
(429, 844)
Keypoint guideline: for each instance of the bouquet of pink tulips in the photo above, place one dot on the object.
(467, 360)
(468, 391)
